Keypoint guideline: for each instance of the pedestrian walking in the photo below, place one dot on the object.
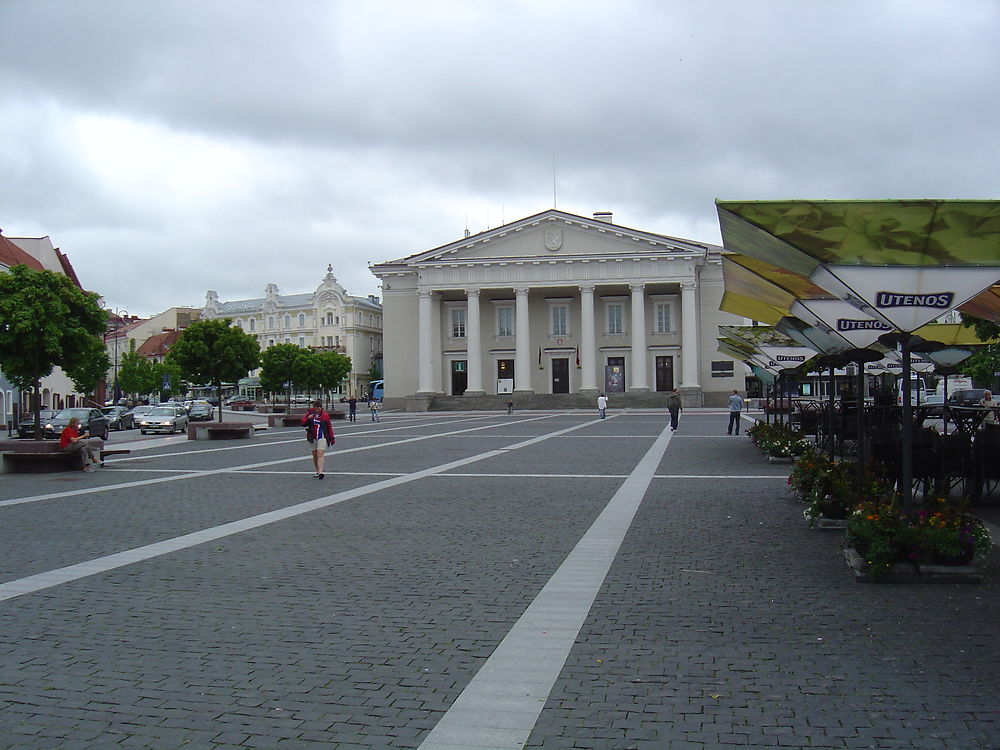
(71, 441)
(602, 404)
(735, 408)
(352, 409)
(319, 434)
(510, 407)
(374, 406)
(674, 407)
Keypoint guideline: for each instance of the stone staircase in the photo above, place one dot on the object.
(546, 401)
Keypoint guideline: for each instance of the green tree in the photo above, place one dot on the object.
(214, 352)
(47, 321)
(333, 368)
(135, 374)
(985, 361)
(173, 376)
(280, 369)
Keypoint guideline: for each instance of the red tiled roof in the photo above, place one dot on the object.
(158, 344)
(12, 255)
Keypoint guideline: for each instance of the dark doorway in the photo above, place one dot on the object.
(505, 376)
(664, 373)
(560, 375)
(459, 377)
(614, 375)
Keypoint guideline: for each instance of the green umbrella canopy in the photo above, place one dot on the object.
(902, 262)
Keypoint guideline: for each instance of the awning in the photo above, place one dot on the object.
(902, 262)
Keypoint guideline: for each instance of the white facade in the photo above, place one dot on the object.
(327, 319)
(557, 303)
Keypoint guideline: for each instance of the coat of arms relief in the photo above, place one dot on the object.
(553, 239)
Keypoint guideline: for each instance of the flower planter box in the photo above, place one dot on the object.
(912, 572)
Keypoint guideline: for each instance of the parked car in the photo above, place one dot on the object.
(91, 420)
(140, 411)
(235, 400)
(966, 397)
(26, 426)
(119, 418)
(200, 411)
(164, 418)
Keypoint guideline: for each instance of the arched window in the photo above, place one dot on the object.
(302, 320)
(288, 321)
(270, 322)
(239, 324)
(253, 324)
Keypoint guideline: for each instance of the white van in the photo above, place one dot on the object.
(918, 390)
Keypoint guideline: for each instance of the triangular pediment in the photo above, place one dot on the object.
(554, 235)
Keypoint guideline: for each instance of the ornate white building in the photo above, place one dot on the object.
(557, 303)
(327, 319)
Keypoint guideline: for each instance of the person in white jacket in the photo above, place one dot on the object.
(602, 404)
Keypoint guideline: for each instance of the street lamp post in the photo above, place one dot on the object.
(114, 386)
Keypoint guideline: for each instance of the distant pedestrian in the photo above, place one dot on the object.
(674, 407)
(987, 402)
(374, 406)
(71, 441)
(735, 408)
(319, 434)
(352, 409)
(510, 407)
(602, 404)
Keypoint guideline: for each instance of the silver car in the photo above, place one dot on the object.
(164, 419)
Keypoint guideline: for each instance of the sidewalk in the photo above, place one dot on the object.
(359, 611)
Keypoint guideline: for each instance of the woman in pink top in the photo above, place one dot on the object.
(319, 433)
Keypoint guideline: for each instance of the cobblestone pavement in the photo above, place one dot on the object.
(215, 595)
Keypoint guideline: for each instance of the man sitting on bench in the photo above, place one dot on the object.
(71, 441)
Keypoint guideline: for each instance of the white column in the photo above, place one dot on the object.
(522, 353)
(474, 344)
(588, 339)
(689, 336)
(425, 340)
(437, 366)
(640, 365)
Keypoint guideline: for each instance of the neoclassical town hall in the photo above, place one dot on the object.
(557, 303)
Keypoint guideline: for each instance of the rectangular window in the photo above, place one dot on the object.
(663, 318)
(722, 369)
(505, 321)
(560, 316)
(458, 322)
(615, 316)
(302, 342)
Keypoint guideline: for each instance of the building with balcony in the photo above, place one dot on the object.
(325, 319)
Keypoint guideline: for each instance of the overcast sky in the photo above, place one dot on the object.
(171, 147)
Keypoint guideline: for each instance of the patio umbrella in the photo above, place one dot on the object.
(902, 262)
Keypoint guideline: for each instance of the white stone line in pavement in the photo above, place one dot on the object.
(31, 584)
(499, 707)
(205, 472)
(252, 444)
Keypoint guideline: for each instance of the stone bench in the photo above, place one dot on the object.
(219, 430)
(43, 456)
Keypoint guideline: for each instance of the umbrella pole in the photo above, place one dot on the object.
(944, 406)
(829, 413)
(906, 464)
(861, 423)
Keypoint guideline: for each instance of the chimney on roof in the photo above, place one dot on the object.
(603, 216)
(373, 298)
